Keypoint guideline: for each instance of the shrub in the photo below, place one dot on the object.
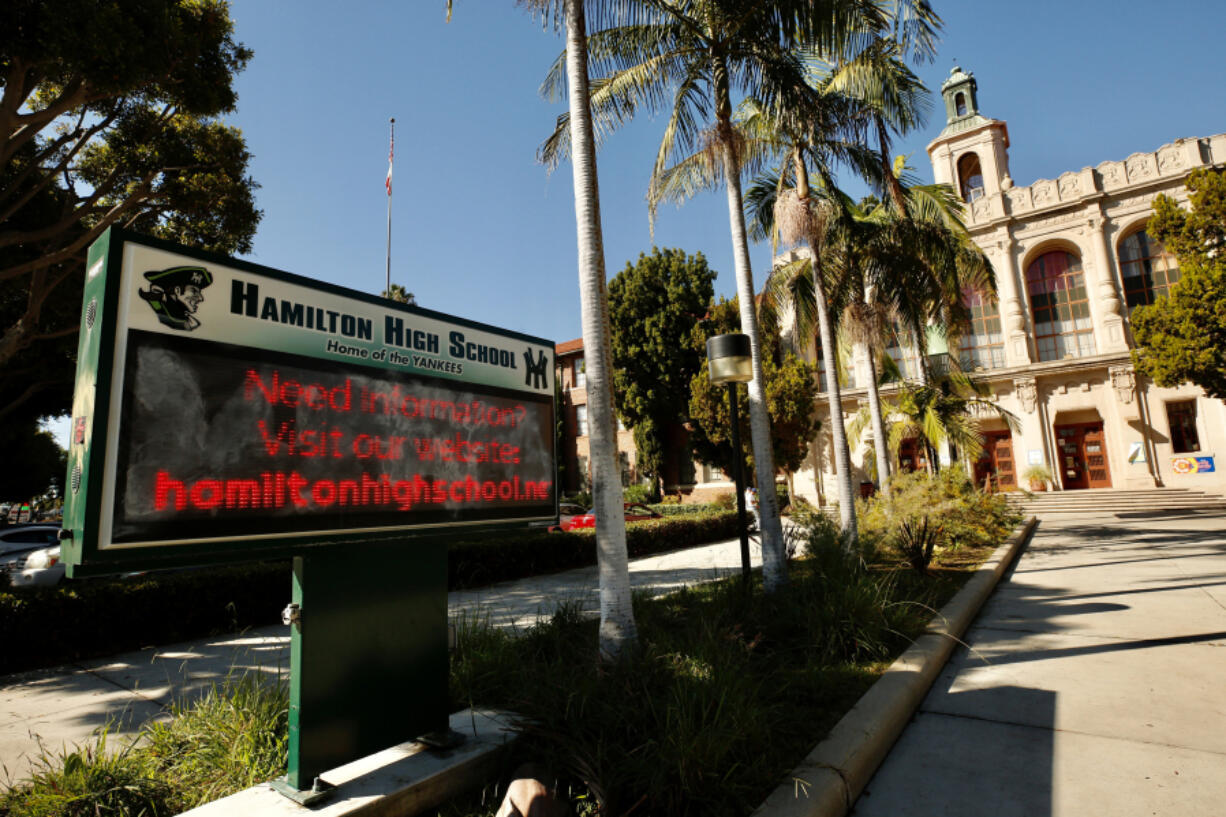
(917, 538)
(818, 531)
(97, 617)
(473, 563)
(583, 499)
(801, 505)
(1036, 476)
(672, 509)
(90, 780)
(725, 502)
(102, 617)
(925, 515)
(637, 493)
(726, 692)
(235, 736)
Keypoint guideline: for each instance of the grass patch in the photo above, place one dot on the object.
(726, 694)
(232, 737)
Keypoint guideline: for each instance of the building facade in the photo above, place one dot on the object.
(1072, 260)
(693, 482)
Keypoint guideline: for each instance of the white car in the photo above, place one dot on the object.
(18, 546)
(38, 568)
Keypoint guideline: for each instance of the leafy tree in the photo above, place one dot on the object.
(107, 116)
(654, 306)
(791, 393)
(1182, 337)
(31, 459)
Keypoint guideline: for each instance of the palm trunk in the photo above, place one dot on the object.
(838, 432)
(617, 627)
(774, 560)
(874, 408)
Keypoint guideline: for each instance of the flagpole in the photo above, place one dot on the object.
(390, 153)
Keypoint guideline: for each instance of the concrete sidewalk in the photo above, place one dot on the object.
(64, 706)
(1094, 683)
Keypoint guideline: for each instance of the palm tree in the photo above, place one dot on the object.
(943, 412)
(617, 626)
(399, 294)
(688, 57)
(816, 289)
(867, 317)
(618, 633)
(814, 219)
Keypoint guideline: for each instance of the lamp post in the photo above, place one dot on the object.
(729, 362)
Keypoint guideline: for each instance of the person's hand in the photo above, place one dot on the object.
(528, 797)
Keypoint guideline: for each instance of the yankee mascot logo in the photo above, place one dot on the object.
(176, 293)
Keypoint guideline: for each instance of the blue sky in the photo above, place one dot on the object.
(479, 230)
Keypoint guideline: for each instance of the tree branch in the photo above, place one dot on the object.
(24, 127)
(31, 390)
(67, 252)
(49, 173)
(16, 90)
(75, 211)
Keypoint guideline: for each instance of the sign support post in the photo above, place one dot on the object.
(368, 655)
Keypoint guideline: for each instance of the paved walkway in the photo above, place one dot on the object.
(63, 706)
(1094, 683)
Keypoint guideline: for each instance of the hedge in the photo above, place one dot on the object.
(477, 563)
(91, 618)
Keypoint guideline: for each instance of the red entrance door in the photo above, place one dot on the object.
(1083, 456)
(912, 456)
(995, 465)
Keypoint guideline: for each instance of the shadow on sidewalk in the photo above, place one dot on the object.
(995, 758)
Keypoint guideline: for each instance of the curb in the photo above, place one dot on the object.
(828, 781)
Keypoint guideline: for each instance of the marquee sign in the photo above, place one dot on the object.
(225, 410)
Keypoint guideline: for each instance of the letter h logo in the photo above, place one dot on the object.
(535, 376)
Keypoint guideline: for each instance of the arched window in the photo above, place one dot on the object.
(1060, 306)
(903, 352)
(1147, 268)
(983, 346)
(970, 177)
(960, 104)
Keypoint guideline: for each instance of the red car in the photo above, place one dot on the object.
(635, 512)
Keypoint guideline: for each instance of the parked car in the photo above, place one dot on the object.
(18, 545)
(635, 512)
(568, 511)
(36, 568)
(28, 537)
(19, 513)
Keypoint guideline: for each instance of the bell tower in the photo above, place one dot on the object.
(971, 154)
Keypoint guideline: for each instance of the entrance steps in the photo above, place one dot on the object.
(1110, 500)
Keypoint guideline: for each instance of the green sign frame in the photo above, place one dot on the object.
(239, 311)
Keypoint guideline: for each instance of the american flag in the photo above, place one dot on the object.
(390, 152)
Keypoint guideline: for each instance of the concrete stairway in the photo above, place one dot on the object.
(1110, 501)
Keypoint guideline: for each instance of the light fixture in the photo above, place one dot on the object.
(729, 362)
(728, 359)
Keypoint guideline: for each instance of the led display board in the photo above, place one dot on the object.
(226, 411)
